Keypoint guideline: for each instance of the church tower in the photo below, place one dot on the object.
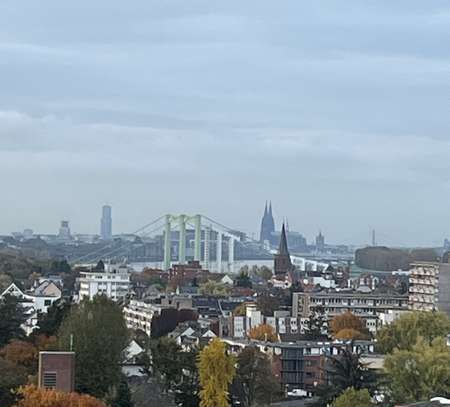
(282, 260)
(267, 224)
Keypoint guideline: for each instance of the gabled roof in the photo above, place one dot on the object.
(12, 289)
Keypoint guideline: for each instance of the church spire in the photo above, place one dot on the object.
(270, 209)
(283, 248)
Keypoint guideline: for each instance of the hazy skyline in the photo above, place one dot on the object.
(337, 112)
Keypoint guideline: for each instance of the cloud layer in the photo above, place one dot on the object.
(339, 115)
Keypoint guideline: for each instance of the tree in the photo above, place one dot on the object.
(404, 332)
(353, 398)
(12, 316)
(123, 395)
(263, 332)
(165, 361)
(21, 353)
(353, 327)
(11, 377)
(99, 335)
(255, 383)
(420, 373)
(49, 322)
(34, 397)
(187, 391)
(344, 371)
(267, 304)
(265, 273)
(216, 372)
(317, 325)
(243, 280)
(214, 288)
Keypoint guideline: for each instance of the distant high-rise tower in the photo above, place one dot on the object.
(106, 223)
(267, 225)
(282, 260)
(64, 230)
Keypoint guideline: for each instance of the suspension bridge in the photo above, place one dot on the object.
(193, 237)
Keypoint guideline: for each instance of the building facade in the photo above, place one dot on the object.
(429, 287)
(367, 306)
(114, 282)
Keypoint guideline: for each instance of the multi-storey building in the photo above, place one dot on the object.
(139, 315)
(113, 281)
(300, 364)
(429, 287)
(367, 306)
(106, 223)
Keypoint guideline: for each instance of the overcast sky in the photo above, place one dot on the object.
(338, 111)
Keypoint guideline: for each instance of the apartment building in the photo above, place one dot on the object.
(429, 287)
(113, 281)
(368, 306)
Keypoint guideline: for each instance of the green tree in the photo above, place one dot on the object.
(255, 383)
(49, 322)
(187, 391)
(345, 371)
(420, 373)
(12, 316)
(123, 395)
(265, 273)
(11, 377)
(216, 372)
(405, 331)
(99, 336)
(353, 398)
(243, 280)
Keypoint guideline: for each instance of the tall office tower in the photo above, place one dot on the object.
(106, 223)
(267, 225)
(64, 230)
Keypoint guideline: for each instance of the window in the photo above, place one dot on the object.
(49, 380)
(47, 303)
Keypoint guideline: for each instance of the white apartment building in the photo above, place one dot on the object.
(139, 314)
(114, 282)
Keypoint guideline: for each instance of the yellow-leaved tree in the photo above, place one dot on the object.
(31, 396)
(263, 332)
(216, 372)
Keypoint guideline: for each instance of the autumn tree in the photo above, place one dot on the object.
(420, 373)
(214, 288)
(97, 331)
(21, 353)
(348, 326)
(263, 332)
(405, 331)
(354, 398)
(255, 383)
(32, 396)
(216, 373)
(12, 316)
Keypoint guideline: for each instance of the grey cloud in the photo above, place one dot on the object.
(339, 113)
